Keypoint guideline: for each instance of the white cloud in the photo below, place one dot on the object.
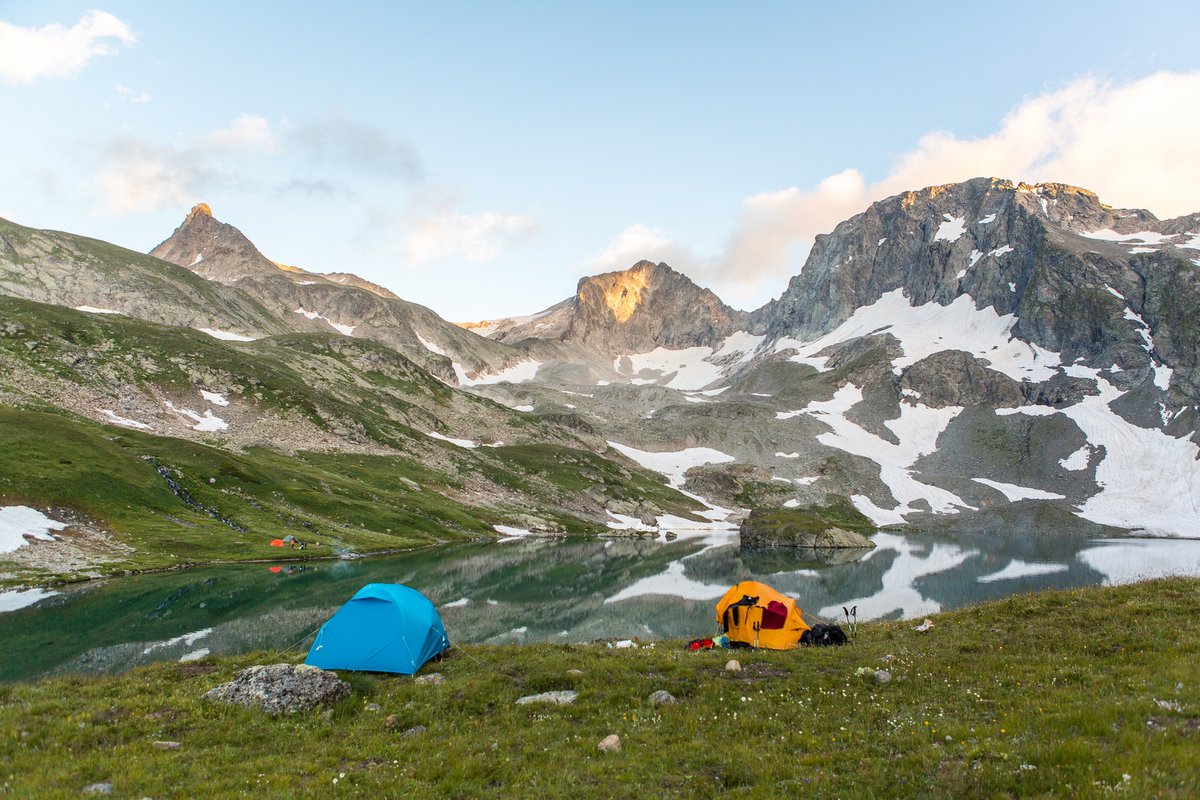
(639, 242)
(1132, 143)
(27, 54)
(475, 238)
(247, 132)
(132, 96)
(142, 177)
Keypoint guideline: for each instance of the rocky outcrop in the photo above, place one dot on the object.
(820, 527)
(281, 689)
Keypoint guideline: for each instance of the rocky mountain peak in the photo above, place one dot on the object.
(200, 209)
(213, 249)
(634, 310)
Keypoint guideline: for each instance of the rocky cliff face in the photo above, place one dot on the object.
(1100, 286)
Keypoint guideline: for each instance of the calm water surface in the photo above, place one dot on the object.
(532, 590)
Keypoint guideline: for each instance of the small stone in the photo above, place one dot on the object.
(391, 721)
(889, 658)
(882, 676)
(559, 698)
(574, 672)
(733, 665)
(164, 745)
(661, 697)
(432, 679)
(414, 730)
(610, 744)
(98, 788)
(327, 714)
(373, 707)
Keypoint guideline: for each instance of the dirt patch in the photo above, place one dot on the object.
(79, 549)
(195, 670)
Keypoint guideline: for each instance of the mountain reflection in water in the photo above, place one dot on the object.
(531, 590)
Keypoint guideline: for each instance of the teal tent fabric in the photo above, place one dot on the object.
(385, 627)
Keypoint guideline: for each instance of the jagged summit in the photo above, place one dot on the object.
(213, 249)
(200, 209)
(633, 310)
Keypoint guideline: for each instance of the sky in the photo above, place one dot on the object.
(480, 158)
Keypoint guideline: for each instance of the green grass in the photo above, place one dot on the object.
(109, 475)
(1047, 695)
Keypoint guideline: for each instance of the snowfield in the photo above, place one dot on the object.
(17, 522)
(918, 429)
(931, 328)
(673, 463)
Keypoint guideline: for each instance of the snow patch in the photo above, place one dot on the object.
(898, 592)
(1129, 560)
(525, 408)
(466, 444)
(187, 640)
(688, 368)
(428, 345)
(880, 242)
(1021, 569)
(16, 599)
(673, 463)
(1029, 411)
(1001, 251)
(1145, 237)
(1162, 500)
(990, 218)
(520, 372)
(126, 421)
(345, 330)
(459, 603)
(951, 229)
(931, 328)
(787, 455)
(94, 310)
(1077, 460)
(206, 423)
(1015, 493)
(1162, 376)
(215, 398)
(226, 336)
(917, 428)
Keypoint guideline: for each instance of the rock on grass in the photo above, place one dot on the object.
(610, 744)
(281, 688)
(560, 698)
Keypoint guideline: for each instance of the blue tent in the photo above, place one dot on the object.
(385, 627)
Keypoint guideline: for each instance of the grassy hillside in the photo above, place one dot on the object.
(117, 480)
(329, 439)
(1084, 693)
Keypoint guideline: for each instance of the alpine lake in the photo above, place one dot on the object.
(528, 589)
